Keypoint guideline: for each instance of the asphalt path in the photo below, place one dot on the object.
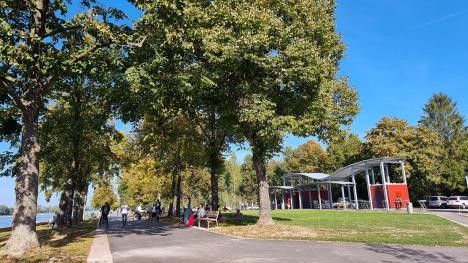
(150, 241)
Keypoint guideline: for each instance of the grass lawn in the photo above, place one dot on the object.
(350, 226)
(72, 246)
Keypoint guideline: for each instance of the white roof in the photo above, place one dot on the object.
(347, 171)
(354, 168)
(315, 176)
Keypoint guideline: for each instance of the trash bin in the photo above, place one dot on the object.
(409, 208)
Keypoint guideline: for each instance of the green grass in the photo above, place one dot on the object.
(362, 226)
(71, 246)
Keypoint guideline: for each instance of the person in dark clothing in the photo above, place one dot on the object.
(105, 209)
(158, 210)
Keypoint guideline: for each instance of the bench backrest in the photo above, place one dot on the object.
(212, 214)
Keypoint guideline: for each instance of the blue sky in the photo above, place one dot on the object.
(398, 54)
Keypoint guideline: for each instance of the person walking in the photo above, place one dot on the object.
(158, 210)
(105, 209)
(139, 212)
(124, 212)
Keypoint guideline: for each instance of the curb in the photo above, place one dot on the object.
(100, 248)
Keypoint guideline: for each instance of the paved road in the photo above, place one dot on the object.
(460, 218)
(157, 242)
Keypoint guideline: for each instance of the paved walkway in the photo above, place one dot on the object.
(100, 250)
(461, 218)
(148, 241)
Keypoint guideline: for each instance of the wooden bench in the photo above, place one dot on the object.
(210, 216)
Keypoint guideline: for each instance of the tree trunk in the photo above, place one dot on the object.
(82, 205)
(62, 210)
(78, 208)
(69, 210)
(179, 193)
(215, 166)
(170, 210)
(23, 236)
(263, 190)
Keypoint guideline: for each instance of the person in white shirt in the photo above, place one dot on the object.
(124, 211)
(139, 212)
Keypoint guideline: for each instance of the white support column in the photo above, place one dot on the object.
(282, 201)
(368, 188)
(291, 197)
(373, 176)
(348, 188)
(343, 196)
(319, 197)
(387, 173)
(403, 172)
(330, 196)
(355, 191)
(310, 198)
(382, 171)
(276, 201)
(300, 198)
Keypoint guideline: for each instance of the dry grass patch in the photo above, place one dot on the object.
(70, 246)
(274, 231)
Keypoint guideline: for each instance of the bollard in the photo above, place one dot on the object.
(409, 208)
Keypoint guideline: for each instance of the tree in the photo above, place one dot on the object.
(37, 40)
(308, 157)
(168, 72)
(5, 210)
(419, 145)
(275, 63)
(266, 67)
(344, 151)
(76, 134)
(143, 181)
(442, 116)
(102, 194)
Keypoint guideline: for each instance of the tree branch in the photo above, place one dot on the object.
(62, 30)
(87, 52)
(14, 96)
(139, 44)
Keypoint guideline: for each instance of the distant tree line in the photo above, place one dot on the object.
(5, 210)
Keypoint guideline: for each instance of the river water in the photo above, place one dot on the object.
(5, 221)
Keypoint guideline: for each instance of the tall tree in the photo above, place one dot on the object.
(308, 157)
(170, 72)
(442, 116)
(344, 151)
(419, 145)
(35, 51)
(269, 67)
(275, 62)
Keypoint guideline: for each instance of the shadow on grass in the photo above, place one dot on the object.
(230, 220)
(83, 230)
(410, 254)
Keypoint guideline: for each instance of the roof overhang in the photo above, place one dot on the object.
(357, 167)
(315, 176)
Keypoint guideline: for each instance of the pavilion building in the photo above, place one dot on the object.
(385, 183)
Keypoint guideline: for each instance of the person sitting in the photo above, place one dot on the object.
(200, 211)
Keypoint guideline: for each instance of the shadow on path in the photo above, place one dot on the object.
(143, 227)
(411, 254)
